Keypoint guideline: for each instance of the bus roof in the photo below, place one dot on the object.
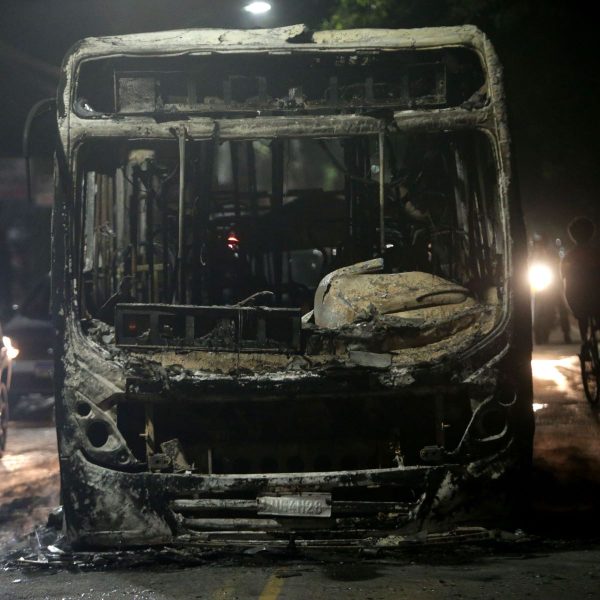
(283, 40)
(191, 41)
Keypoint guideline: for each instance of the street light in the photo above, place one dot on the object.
(257, 8)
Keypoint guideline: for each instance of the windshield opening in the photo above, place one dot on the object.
(275, 216)
(278, 83)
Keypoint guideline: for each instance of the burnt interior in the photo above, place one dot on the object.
(344, 432)
(272, 217)
(278, 82)
(176, 236)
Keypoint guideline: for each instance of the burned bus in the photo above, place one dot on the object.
(285, 284)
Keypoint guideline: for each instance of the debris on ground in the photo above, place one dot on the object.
(47, 547)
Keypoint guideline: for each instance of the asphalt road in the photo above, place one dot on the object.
(558, 557)
(567, 446)
(29, 481)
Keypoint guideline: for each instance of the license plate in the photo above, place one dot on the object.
(305, 505)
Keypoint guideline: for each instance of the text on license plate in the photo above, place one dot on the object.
(305, 505)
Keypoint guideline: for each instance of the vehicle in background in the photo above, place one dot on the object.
(548, 306)
(287, 283)
(31, 331)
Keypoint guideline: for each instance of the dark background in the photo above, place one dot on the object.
(549, 50)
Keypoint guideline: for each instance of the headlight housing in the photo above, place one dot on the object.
(540, 277)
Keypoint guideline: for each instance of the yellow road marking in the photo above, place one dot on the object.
(272, 589)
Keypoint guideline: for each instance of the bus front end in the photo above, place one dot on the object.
(283, 284)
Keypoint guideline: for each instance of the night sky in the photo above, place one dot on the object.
(548, 48)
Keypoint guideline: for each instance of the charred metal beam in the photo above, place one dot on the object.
(134, 211)
(235, 175)
(277, 150)
(203, 128)
(146, 178)
(382, 174)
(349, 193)
(201, 211)
(181, 271)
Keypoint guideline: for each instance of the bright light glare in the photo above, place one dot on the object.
(554, 371)
(538, 406)
(540, 277)
(11, 351)
(257, 8)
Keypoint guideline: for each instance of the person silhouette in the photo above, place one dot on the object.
(580, 270)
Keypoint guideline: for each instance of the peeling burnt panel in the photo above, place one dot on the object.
(276, 83)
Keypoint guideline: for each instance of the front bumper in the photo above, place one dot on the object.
(366, 506)
(440, 480)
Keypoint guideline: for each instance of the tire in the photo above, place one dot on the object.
(3, 418)
(590, 370)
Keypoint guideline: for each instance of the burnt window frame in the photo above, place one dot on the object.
(482, 132)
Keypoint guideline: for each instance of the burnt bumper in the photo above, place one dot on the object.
(356, 507)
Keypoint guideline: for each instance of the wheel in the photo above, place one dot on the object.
(3, 418)
(590, 370)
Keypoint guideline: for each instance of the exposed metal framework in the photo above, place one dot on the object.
(192, 416)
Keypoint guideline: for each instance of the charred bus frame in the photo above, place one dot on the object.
(332, 412)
